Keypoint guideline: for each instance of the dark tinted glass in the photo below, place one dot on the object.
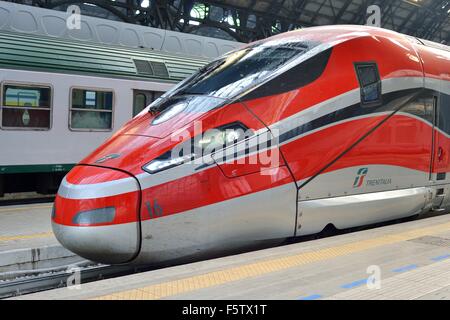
(26, 118)
(296, 77)
(169, 108)
(369, 80)
(367, 75)
(243, 69)
(422, 107)
(371, 93)
(444, 113)
(88, 99)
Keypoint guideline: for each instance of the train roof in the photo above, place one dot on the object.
(15, 17)
(335, 34)
(41, 53)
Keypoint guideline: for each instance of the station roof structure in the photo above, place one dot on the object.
(249, 20)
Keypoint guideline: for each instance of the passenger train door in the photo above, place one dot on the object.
(142, 98)
(441, 155)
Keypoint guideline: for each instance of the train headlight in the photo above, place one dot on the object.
(197, 147)
(158, 165)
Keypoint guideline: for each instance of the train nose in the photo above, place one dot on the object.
(96, 214)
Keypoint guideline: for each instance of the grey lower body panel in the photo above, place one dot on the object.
(112, 244)
(256, 220)
(266, 217)
(362, 209)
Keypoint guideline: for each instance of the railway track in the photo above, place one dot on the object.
(69, 276)
(25, 198)
(18, 283)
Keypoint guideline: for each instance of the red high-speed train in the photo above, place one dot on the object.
(341, 125)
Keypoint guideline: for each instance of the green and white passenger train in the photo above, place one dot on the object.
(60, 99)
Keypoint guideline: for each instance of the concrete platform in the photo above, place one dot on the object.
(25, 226)
(410, 260)
(27, 241)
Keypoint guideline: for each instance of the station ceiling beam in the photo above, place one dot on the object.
(249, 20)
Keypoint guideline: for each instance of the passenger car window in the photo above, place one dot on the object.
(91, 110)
(26, 107)
(370, 83)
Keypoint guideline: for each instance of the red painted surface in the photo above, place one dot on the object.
(126, 204)
(126, 208)
(401, 141)
(80, 175)
(209, 187)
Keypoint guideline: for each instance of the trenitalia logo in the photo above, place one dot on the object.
(362, 173)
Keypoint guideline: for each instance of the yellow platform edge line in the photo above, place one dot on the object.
(26, 236)
(171, 288)
(25, 208)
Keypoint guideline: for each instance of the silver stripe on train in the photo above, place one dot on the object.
(438, 85)
(97, 190)
(362, 209)
(340, 102)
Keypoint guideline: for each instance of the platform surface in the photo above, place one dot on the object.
(26, 226)
(411, 260)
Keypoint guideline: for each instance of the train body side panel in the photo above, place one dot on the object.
(353, 154)
(312, 122)
(397, 155)
(209, 208)
(333, 123)
(437, 72)
(398, 170)
(384, 177)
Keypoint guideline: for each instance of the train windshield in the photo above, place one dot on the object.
(241, 70)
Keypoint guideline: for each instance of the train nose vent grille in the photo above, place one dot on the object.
(152, 68)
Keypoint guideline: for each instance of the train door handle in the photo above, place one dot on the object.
(440, 154)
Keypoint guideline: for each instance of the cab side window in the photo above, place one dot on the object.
(370, 83)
